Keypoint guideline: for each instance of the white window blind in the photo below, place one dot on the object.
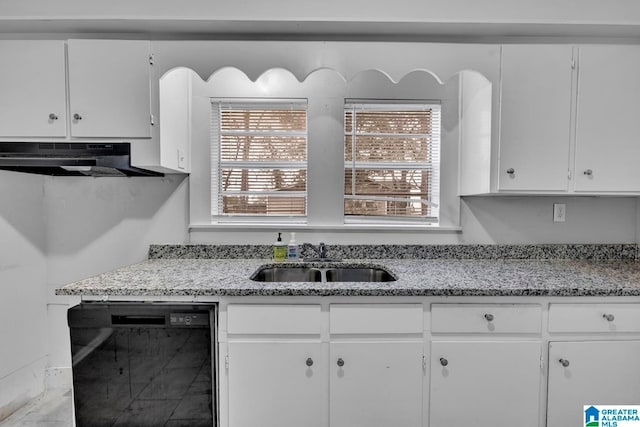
(259, 164)
(392, 160)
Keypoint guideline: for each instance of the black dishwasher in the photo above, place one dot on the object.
(143, 364)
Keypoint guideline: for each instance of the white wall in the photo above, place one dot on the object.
(95, 225)
(530, 220)
(56, 230)
(22, 290)
(484, 220)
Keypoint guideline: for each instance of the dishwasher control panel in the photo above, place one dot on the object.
(189, 319)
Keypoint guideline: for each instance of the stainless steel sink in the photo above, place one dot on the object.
(358, 274)
(287, 274)
(303, 273)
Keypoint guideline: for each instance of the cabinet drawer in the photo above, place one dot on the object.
(376, 319)
(487, 318)
(594, 318)
(273, 319)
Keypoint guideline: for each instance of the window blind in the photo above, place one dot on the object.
(259, 163)
(392, 160)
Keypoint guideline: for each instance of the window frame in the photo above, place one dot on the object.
(391, 105)
(218, 164)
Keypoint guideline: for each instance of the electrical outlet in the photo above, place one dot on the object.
(559, 212)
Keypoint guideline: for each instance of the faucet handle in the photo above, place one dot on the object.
(322, 250)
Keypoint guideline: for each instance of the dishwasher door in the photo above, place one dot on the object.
(143, 364)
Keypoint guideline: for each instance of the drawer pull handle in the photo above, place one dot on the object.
(609, 317)
(588, 172)
(52, 116)
(340, 362)
(77, 116)
(511, 171)
(564, 362)
(309, 362)
(443, 361)
(489, 317)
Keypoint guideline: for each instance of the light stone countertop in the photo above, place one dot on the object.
(416, 277)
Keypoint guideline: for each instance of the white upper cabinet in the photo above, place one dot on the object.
(32, 89)
(535, 118)
(608, 125)
(568, 122)
(109, 88)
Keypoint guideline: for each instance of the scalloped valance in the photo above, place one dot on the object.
(348, 59)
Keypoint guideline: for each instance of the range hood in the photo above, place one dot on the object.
(70, 159)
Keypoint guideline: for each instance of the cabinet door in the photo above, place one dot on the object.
(271, 384)
(597, 373)
(378, 385)
(485, 384)
(607, 128)
(32, 89)
(535, 119)
(109, 88)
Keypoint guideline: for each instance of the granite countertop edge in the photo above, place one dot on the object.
(415, 277)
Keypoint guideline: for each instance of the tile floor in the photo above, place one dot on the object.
(52, 409)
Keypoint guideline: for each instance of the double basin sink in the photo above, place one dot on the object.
(303, 273)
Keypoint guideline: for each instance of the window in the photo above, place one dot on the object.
(392, 160)
(325, 153)
(259, 158)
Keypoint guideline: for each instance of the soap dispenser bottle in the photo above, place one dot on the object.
(293, 249)
(279, 250)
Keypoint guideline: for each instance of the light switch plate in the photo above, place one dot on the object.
(181, 159)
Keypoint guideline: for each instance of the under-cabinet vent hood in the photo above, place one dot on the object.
(70, 159)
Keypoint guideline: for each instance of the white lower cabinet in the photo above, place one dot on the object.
(275, 368)
(485, 365)
(288, 366)
(590, 373)
(364, 365)
(593, 360)
(275, 384)
(376, 384)
(376, 365)
(485, 383)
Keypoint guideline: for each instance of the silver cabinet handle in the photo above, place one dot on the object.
(511, 171)
(77, 116)
(588, 172)
(340, 362)
(52, 116)
(443, 361)
(489, 317)
(609, 317)
(309, 362)
(564, 362)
